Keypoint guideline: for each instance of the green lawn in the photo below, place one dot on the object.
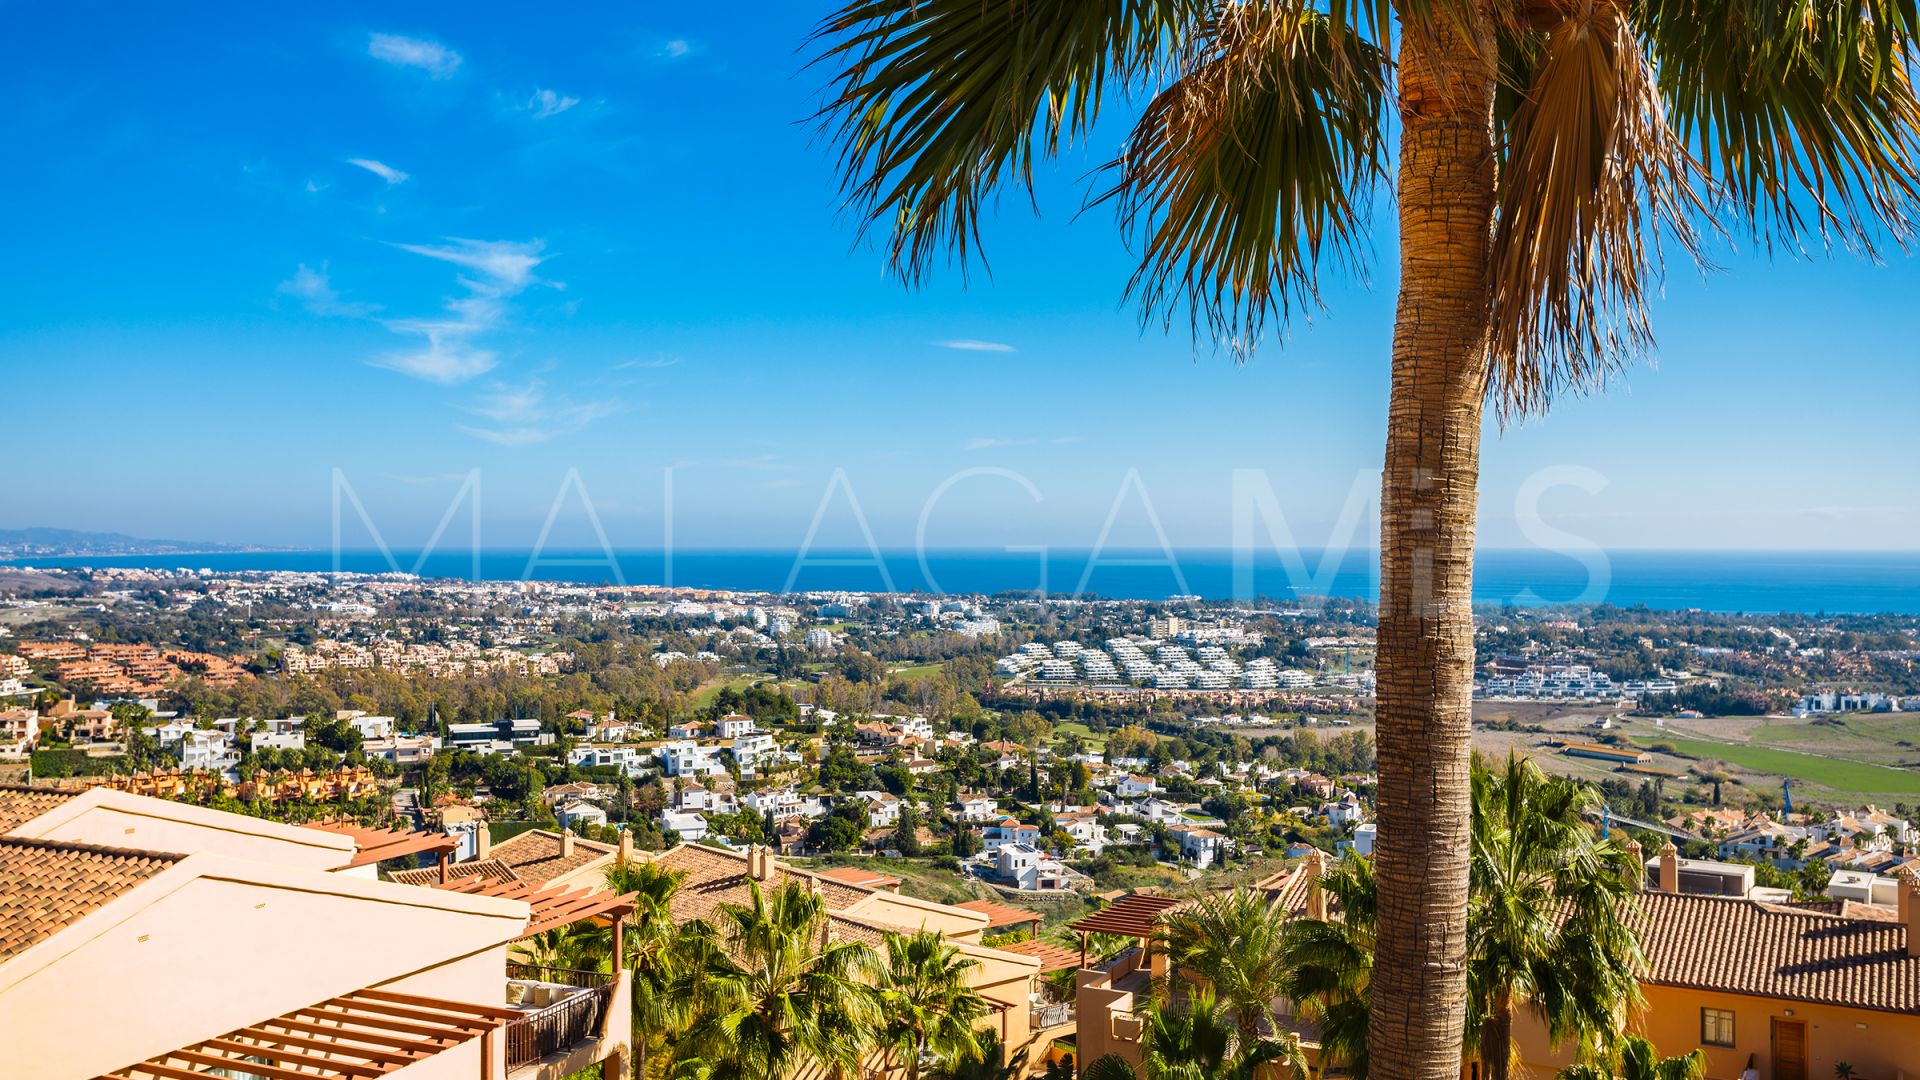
(704, 696)
(916, 672)
(1094, 742)
(1844, 776)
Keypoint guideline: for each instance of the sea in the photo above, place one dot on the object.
(1759, 582)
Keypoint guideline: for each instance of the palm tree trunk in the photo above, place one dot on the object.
(1496, 1037)
(1428, 490)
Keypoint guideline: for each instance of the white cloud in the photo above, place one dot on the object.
(316, 293)
(506, 266)
(500, 270)
(970, 345)
(525, 414)
(679, 49)
(380, 169)
(646, 365)
(545, 103)
(424, 53)
(447, 358)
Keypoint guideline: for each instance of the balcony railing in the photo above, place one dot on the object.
(1052, 1014)
(576, 1015)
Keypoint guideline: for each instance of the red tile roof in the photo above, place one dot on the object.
(1052, 957)
(535, 855)
(1736, 946)
(21, 803)
(47, 885)
(999, 915)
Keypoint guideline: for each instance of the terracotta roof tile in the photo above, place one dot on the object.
(854, 875)
(534, 855)
(1740, 947)
(714, 877)
(21, 803)
(999, 915)
(47, 885)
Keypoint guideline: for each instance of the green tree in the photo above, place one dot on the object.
(1639, 1060)
(1233, 940)
(927, 1010)
(774, 991)
(1195, 1038)
(1549, 927)
(1542, 150)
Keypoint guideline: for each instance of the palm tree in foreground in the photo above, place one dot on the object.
(1639, 1060)
(1328, 965)
(1232, 941)
(927, 1010)
(1194, 1038)
(1549, 927)
(775, 992)
(658, 950)
(1543, 147)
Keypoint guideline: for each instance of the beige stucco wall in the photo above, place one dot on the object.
(109, 818)
(956, 925)
(213, 944)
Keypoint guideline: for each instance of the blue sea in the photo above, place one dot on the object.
(1723, 581)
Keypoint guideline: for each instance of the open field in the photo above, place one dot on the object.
(1837, 774)
(1075, 727)
(709, 690)
(916, 672)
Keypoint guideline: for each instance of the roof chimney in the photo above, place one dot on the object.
(1903, 882)
(1316, 896)
(626, 846)
(482, 839)
(1911, 891)
(1638, 856)
(1669, 868)
(566, 843)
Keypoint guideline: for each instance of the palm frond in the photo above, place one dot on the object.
(1592, 172)
(1257, 163)
(1786, 105)
(939, 102)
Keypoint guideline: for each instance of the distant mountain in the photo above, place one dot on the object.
(68, 543)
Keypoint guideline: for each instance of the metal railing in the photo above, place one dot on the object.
(566, 976)
(1052, 1014)
(568, 1022)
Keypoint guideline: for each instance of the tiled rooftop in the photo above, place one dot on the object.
(46, 885)
(535, 856)
(714, 877)
(1737, 946)
(21, 803)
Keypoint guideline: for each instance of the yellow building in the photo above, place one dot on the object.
(1795, 990)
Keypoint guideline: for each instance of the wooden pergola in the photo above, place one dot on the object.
(1131, 916)
(554, 906)
(362, 1035)
(374, 844)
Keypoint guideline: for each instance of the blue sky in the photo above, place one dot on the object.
(253, 245)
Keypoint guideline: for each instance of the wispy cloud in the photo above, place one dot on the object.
(499, 270)
(316, 293)
(545, 103)
(970, 345)
(679, 49)
(524, 414)
(380, 169)
(646, 365)
(424, 53)
(504, 267)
